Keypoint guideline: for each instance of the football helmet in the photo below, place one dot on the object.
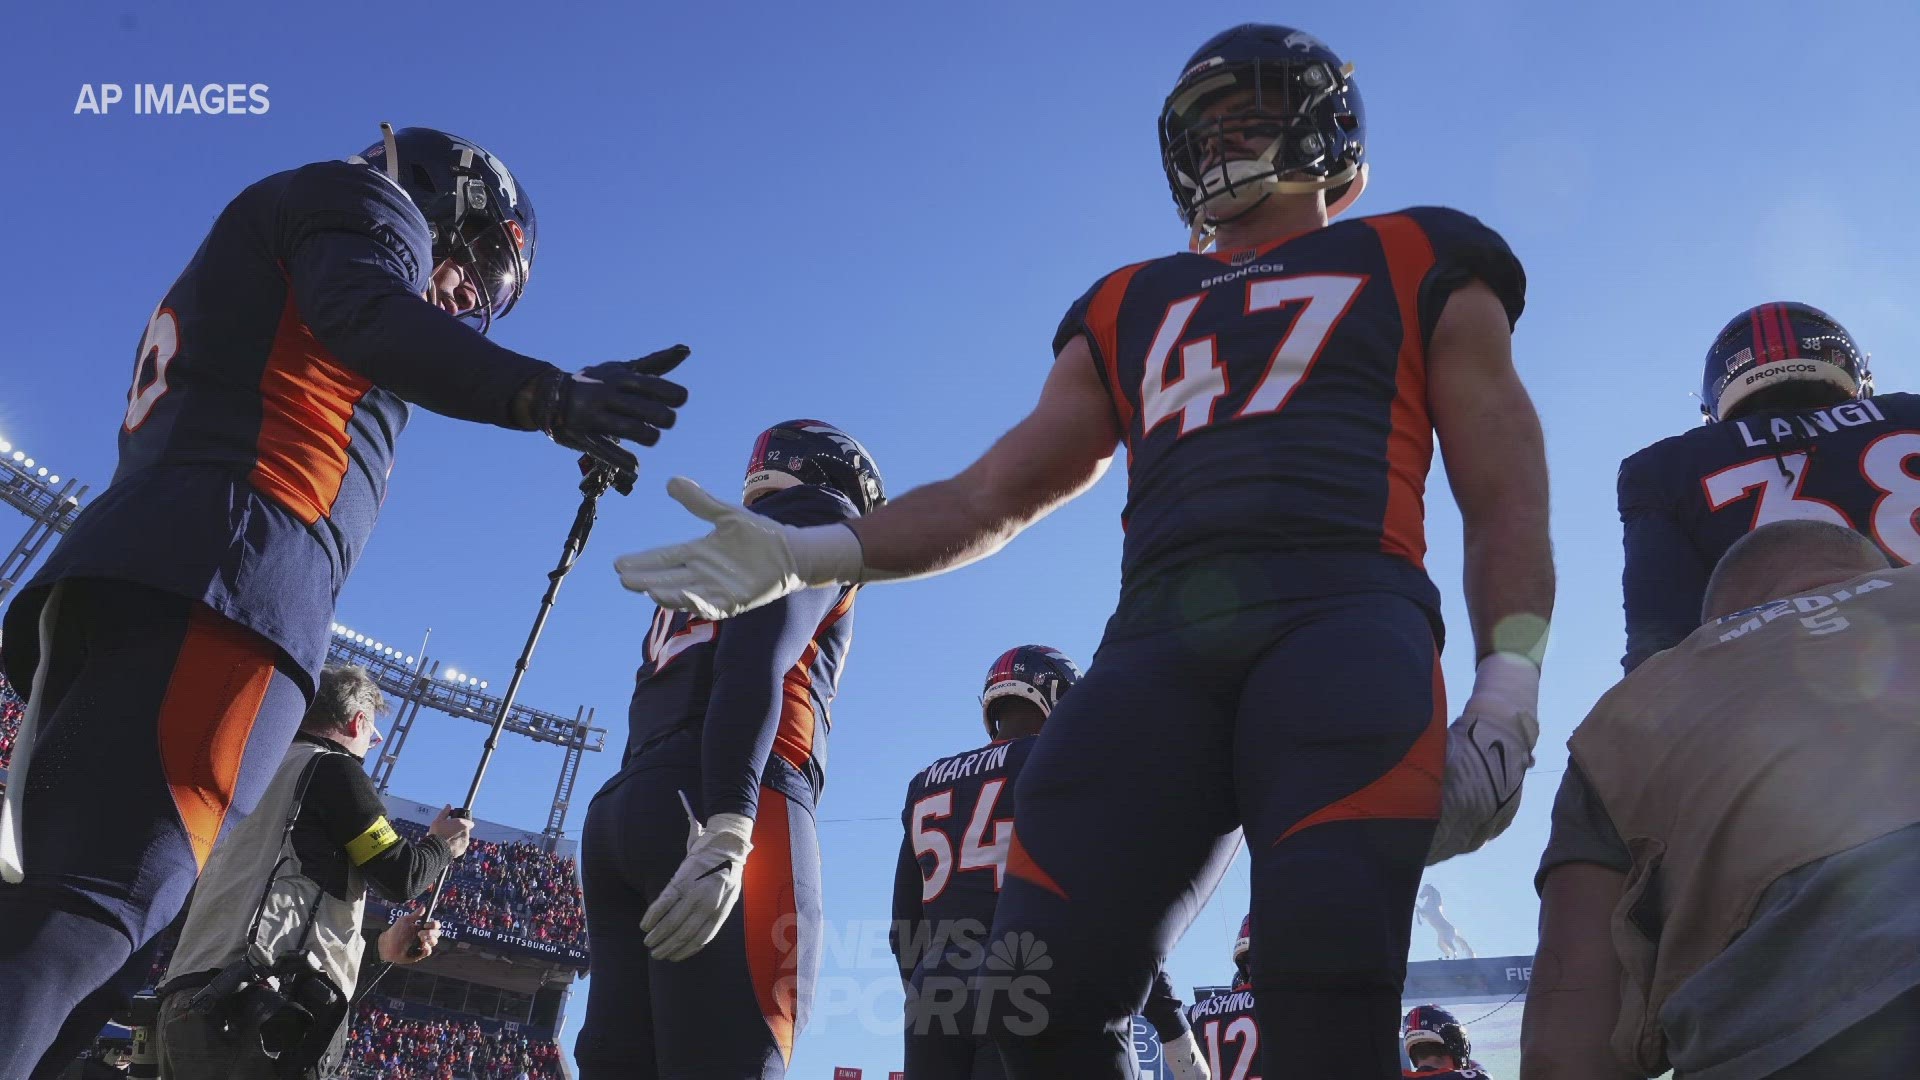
(1778, 344)
(477, 213)
(810, 452)
(1033, 673)
(1244, 943)
(1433, 1024)
(1302, 100)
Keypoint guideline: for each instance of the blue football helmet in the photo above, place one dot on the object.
(477, 213)
(810, 452)
(1033, 673)
(1301, 99)
(1781, 344)
(1433, 1024)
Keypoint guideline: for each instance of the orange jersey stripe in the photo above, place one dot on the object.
(219, 680)
(1410, 439)
(1021, 865)
(307, 399)
(1103, 319)
(1410, 789)
(770, 916)
(793, 739)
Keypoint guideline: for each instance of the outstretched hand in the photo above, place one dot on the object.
(593, 409)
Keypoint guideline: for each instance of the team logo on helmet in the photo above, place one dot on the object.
(811, 452)
(1305, 42)
(1036, 673)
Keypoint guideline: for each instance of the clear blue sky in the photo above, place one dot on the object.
(874, 215)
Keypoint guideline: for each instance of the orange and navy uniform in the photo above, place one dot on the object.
(1273, 402)
(269, 388)
(1272, 668)
(733, 716)
(1471, 1072)
(178, 628)
(1687, 498)
(1228, 1034)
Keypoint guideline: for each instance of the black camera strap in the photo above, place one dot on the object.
(286, 838)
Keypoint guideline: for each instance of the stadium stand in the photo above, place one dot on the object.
(387, 1043)
(515, 889)
(11, 709)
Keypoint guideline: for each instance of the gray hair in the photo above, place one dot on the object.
(1754, 568)
(344, 689)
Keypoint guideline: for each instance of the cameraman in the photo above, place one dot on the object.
(284, 893)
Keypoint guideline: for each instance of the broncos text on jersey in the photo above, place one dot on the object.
(1686, 499)
(1273, 401)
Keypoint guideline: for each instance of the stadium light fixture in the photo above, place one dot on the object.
(483, 684)
(43, 470)
(28, 463)
(19, 454)
(5, 446)
(409, 659)
(53, 479)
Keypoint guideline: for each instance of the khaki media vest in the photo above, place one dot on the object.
(298, 912)
(1765, 741)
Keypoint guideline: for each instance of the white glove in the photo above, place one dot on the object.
(747, 561)
(702, 892)
(1489, 750)
(1184, 1060)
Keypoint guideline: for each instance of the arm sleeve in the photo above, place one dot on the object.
(353, 818)
(906, 908)
(1664, 578)
(1581, 831)
(751, 658)
(1163, 1009)
(358, 256)
(1464, 251)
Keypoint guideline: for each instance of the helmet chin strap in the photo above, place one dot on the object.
(1258, 188)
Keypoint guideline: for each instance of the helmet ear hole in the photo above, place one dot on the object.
(420, 176)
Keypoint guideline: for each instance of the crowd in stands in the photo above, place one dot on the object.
(515, 889)
(392, 1047)
(11, 709)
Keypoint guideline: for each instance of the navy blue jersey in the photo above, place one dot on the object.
(268, 389)
(959, 826)
(1227, 1032)
(1686, 499)
(748, 698)
(1274, 401)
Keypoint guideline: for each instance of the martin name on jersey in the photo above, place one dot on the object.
(1686, 499)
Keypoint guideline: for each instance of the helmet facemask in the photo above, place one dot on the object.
(1215, 180)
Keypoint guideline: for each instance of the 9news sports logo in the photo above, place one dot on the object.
(174, 99)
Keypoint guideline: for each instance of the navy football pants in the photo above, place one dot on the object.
(1318, 728)
(730, 1011)
(157, 722)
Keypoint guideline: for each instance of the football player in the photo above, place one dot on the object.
(1229, 1030)
(1437, 1046)
(169, 645)
(953, 860)
(704, 958)
(1793, 430)
(1273, 662)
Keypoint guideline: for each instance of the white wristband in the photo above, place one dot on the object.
(826, 554)
(1508, 677)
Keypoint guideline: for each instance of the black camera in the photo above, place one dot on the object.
(288, 1007)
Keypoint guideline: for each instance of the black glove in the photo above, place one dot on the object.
(591, 410)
